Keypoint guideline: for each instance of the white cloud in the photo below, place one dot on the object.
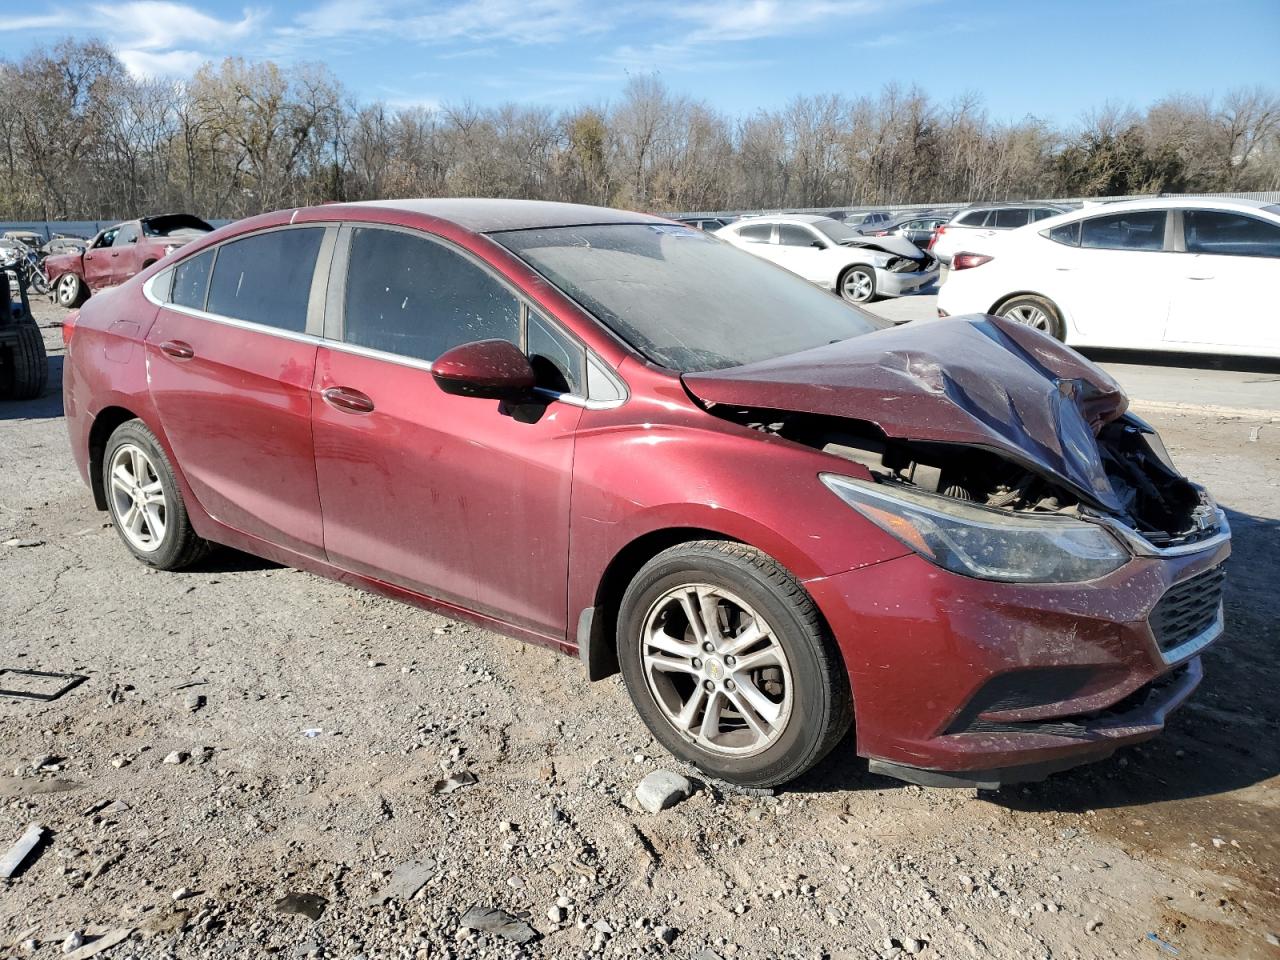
(51, 21)
(171, 63)
(160, 25)
(515, 21)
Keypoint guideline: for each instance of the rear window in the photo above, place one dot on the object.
(191, 281)
(266, 278)
(1132, 230)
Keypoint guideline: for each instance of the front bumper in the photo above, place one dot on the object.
(965, 682)
(892, 284)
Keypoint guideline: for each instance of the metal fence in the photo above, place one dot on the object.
(1272, 196)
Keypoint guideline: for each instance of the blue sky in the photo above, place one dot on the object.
(1049, 58)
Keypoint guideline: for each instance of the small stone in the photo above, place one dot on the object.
(604, 926)
(1273, 939)
(662, 789)
(73, 942)
(912, 946)
(516, 883)
(177, 756)
(19, 542)
(119, 762)
(193, 702)
(182, 893)
(557, 914)
(506, 826)
(1219, 843)
(667, 934)
(1092, 925)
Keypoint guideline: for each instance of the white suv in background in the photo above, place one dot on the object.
(984, 222)
(1179, 274)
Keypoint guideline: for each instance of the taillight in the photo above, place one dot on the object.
(881, 233)
(963, 261)
(934, 239)
(69, 326)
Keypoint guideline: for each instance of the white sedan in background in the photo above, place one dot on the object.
(833, 255)
(1199, 275)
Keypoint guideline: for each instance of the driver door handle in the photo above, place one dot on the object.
(178, 349)
(347, 400)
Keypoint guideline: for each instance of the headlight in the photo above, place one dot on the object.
(982, 542)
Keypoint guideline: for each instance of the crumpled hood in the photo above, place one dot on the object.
(982, 381)
(894, 246)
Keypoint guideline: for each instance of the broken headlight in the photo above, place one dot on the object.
(983, 542)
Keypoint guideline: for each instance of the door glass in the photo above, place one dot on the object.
(127, 234)
(1230, 234)
(790, 235)
(1068, 233)
(1010, 218)
(107, 238)
(191, 280)
(266, 278)
(415, 297)
(756, 232)
(557, 360)
(1132, 230)
(973, 218)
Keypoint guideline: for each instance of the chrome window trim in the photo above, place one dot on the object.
(232, 321)
(1189, 648)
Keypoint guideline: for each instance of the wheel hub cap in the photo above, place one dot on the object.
(138, 503)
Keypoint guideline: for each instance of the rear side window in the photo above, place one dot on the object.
(266, 278)
(1011, 218)
(973, 218)
(756, 232)
(417, 298)
(1230, 234)
(1133, 230)
(1043, 213)
(191, 281)
(1068, 233)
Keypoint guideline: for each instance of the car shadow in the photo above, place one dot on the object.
(47, 406)
(229, 560)
(1204, 361)
(1225, 738)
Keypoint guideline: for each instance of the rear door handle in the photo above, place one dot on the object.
(178, 349)
(347, 400)
(1200, 276)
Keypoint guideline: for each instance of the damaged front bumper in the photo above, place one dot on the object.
(891, 283)
(963, 682)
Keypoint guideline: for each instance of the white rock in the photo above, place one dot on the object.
(177, 756)
(557, 914)
(73, 942)
(662, 789)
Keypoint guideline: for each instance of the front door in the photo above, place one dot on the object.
(100, 260)
(231, 359)
(801, 250)
(463, 499)
(1226, 283)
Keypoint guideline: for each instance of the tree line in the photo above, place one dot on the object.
(82, 138)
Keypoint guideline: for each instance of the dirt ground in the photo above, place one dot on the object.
(313, 722)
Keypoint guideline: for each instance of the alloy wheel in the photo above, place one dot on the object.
(137, 497)
(67, 290)
(716, 670)
(1030, 315)
(857, 286)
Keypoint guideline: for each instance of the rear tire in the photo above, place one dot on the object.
(857, 284)
(69, 291)
(145, 502)
(1035, 312)
(756, 712)
(26, 374)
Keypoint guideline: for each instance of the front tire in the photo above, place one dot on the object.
(145, 502)
(729, 664)
(26, 374)
(69, 291)
(1036, 312)
(858, 284)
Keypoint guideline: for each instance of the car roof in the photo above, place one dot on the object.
(784, 218)
(1175, 203)
(485, 215)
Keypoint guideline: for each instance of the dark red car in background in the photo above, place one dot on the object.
(118, 253)
(622, 438)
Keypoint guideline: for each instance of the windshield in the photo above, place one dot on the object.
(684, 299)
(836, 230)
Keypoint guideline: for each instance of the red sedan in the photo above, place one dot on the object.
(627, 440)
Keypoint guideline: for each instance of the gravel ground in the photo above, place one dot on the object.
(316, 729)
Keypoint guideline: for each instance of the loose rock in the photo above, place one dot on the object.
(662, 789)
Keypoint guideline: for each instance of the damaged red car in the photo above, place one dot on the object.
(629, 441)
(117, 253)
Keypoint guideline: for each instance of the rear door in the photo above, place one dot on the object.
(1226, 281)
(125, 261)
(463, 499)
(230, 359)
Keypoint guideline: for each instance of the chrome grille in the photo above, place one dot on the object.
(1187, 609)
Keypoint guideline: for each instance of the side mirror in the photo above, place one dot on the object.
(819, 244)
(492, 369)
